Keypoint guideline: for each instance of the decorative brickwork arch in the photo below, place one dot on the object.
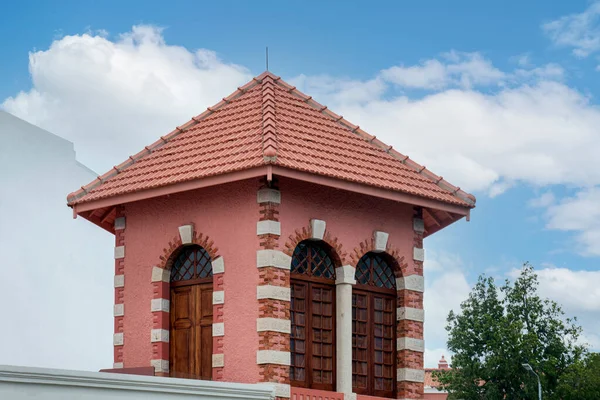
(161, 303)
(299, 235)
(368, 245)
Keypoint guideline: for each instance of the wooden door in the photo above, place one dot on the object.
(191, 331)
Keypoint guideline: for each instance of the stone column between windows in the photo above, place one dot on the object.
(273, 294)
(410, 345)
(343, 314)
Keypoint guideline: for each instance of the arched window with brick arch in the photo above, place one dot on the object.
(312, 339)
(374, 326)
(191, 313)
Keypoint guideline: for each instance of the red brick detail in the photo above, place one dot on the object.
(274, 373)
(270, 308)
(217, 374)
(119, 322)
(410, 298)
(408, 328)
(337, 252)
(274, 276)
(410, 390)
(400, 266)
(410, 359)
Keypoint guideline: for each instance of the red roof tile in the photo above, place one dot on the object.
(269, 122)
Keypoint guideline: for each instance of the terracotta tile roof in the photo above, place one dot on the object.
(267, 122)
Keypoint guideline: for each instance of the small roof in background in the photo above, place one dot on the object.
(268, 123)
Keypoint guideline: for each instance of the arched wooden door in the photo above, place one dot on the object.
(191, 314)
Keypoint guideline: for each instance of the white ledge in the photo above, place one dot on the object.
(410, 375)
(411, 282)
(418, 254)
(317, 228)
(273, 258)
(380, 240)
(218, 360)
(268, 227)
(218, 297)
(268, 196)
(119, 310)
(119, 252)
(119, 281)
(159, 335)
(273, 292)
(218, 329)
(413, 314)
(159, 305)
(274, 325)
(78, 384)
(273, 357)
(119, 223)
(418, 225)
(186, 232)
(218, 265)
(160, 275)
(406, 343)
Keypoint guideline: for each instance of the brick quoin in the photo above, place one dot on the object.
(119, 323)
(271, 308)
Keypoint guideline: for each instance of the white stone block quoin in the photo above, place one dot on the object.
(119, 252)
(413, 314)
(159, 305)
(118, 339)
(380, 240)
(186, 232)
(406, 343)
(160, 275)
(218, 329)
(345, 274)
(273, 292)
(159, 335)
(119, 310)
(410, 375)
(119, 281)
(273, 258)
(160, 365)
(418, 225)
(268, 196)
(218, 360)
(273, 325)
(218, 265)
(268, 227)
(317, 228)
(418, 254)
(273, 357)
(411, 282)
(118, 365)
(119, 223)
(218, 297)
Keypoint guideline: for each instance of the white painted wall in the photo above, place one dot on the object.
(18, 383)
(55, 272)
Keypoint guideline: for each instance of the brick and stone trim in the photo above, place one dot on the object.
(119, 307)
(161, 293)
(410, 345)
(273, 293)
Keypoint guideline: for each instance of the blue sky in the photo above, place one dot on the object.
(500, 98)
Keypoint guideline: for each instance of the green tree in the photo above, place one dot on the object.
(500, 328)
(582, 380)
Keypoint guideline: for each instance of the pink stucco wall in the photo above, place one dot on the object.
(351, 217)
(228, 215)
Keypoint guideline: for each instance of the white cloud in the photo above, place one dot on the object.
(545, 200)
(113, 97)
(446, 287)
(580, 213)
(458, 69)
(579, 31)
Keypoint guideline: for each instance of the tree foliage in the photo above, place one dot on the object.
(500, 328)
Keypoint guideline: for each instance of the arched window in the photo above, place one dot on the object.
(313, 316)
(374, 326)
(190, 344)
